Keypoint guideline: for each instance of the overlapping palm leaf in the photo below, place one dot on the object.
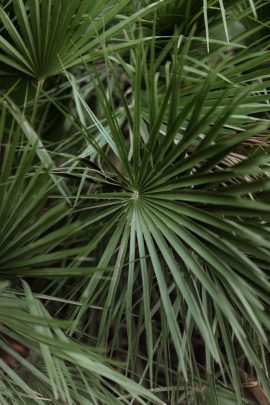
(32, 235)
(57, 369)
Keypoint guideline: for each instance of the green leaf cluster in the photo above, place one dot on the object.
(134, 202)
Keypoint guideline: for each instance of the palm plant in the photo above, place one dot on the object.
(158, 176)
(180, 227)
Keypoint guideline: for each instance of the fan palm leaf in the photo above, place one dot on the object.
(181, 216)
(39, 38)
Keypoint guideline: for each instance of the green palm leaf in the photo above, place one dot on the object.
(184, 217)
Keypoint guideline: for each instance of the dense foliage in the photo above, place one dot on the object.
(134, 202)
